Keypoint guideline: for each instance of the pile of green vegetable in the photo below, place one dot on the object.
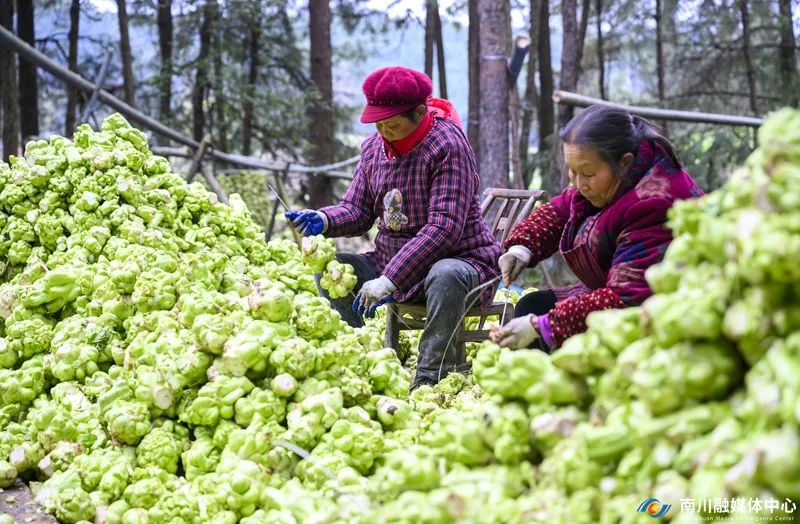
(159, 362)
(251, 186)
(319, 254)
(694, 396)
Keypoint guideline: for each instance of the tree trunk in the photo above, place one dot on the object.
(430, 37)
(517, 176)
(568, 78)
(320, 111)
(164, 20)
(546, 105)
(601, 59)
(788, 63)
(72, 63)
(8, 86)
(748, 59)
(441, 71)
(531, 98)
(28, 79)
(586, 7)
(200, 87)
(221, 140)
(473, 122)
(125, 51)
(660, 60)
(252, 80)
(494, 40)
(513, 114)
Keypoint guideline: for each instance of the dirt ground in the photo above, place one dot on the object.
(17, 501)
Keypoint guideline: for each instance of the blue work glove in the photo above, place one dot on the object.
(308, 222)
(370, 313)
(373, 294)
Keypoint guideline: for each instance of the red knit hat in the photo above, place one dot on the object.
(393, 90)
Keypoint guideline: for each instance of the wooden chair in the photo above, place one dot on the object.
(502, 209)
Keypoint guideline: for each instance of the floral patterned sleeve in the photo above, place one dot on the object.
(569, 316)
(540, 233)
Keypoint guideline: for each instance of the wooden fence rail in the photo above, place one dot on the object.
(574, 99)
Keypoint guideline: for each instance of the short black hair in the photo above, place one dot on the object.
(410, 114)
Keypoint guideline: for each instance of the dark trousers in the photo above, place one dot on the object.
(537, 303)
(446, 287)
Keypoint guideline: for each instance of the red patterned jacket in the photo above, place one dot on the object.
(428, 208)
(608, 249)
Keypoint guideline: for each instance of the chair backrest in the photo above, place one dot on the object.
(512, 206)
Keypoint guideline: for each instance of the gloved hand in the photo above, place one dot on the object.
(518, 333)
(373, 294)
(308, 222)
(512, 262)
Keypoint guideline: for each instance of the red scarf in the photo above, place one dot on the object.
(405, 145)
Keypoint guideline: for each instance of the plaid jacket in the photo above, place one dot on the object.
(428, 208)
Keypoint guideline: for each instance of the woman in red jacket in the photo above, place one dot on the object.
(609, 224)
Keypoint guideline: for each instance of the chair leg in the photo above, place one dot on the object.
(391, 338)
(461, 350)
(460, 347)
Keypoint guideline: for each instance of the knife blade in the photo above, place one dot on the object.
(295, 233)
(505, 307)
(278, 197)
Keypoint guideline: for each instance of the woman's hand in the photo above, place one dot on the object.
(308, 222)
(518, 333)
(372, 295)
(512, 262)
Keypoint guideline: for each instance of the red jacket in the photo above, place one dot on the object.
(608, 249)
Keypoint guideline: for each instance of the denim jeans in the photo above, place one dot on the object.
(446, 288)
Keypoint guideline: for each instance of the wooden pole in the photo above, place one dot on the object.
(214, 184)
(101, 77)
(574, 99)
(197, 159)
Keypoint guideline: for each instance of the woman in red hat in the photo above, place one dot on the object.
(417, 176)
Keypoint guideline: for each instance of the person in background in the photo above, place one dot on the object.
(609, 224)
(418, 178)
